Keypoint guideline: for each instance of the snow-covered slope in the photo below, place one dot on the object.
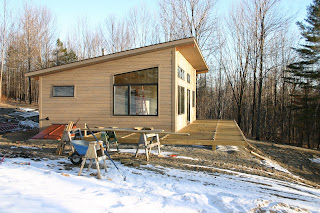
(41, 187)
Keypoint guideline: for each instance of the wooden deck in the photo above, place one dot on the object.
(202, 132)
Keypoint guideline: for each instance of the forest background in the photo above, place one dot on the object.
(252, 48)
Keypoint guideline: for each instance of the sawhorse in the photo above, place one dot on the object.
(143, 140)
(92, 154)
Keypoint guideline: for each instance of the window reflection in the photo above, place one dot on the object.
(121, 100)
(136, 93)
(138, 77)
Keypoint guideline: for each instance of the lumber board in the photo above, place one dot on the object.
(232, 137)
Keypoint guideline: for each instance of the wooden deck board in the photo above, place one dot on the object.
(202, 132)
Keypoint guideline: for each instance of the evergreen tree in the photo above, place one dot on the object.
(306, 76)
(63, 56)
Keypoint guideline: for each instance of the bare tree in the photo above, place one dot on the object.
(4, 34)
(239, 54)
(186, 18)
(268, 20)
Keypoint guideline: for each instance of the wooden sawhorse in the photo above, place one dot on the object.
(92, 154)
(143, 140)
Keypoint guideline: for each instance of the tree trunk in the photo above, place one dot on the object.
(262, 35)
(3, 47)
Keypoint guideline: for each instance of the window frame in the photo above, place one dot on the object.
(55, 96)
(181, 73)
(181, 100)
(129, 92)
(193, 99)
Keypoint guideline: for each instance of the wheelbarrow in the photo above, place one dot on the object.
(81, 147)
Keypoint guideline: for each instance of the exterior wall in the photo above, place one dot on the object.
(93, 99)
(181, 120)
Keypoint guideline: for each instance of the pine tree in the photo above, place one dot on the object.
(63, 56)
(306, 76)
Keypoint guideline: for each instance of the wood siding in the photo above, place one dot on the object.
(93, 100)
(181, 120)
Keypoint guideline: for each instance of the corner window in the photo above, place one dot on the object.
(136, 93)
(180, 100)
(62, 91)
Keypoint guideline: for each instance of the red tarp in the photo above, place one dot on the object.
(53, 132)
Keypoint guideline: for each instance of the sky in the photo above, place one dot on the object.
(67, 12)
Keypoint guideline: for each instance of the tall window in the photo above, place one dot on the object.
(193, 98)
(180, 100)
(136, 93)
(181, 73)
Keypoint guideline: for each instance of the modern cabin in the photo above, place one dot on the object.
(152, 86)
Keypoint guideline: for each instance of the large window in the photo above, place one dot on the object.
(62, 91)
(136, 93)
(180, 100)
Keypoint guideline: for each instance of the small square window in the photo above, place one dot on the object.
(63, 91)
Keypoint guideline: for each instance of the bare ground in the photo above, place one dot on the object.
(296, 160)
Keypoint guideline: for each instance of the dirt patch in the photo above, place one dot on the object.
(296, 159)
(229, 160)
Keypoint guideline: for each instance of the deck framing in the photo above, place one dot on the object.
(202, 132)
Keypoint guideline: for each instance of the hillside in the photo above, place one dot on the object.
(184, 178)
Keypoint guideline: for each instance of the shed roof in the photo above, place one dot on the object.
(188, 47)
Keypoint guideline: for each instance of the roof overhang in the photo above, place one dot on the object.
(188, 47)
(192, 53)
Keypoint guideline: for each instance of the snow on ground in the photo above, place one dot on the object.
(25, 147)
(26, 113)
(227, 148)
(274, 165)
(41, 187)
(29, 123)
(315, 160)
(188, 158)
(28, 109)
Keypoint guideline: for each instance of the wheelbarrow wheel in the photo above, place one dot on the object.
(75, 158)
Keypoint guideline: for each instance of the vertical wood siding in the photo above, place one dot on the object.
(181, 120)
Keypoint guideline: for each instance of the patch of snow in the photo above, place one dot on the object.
(26, 114)
(29, 147)
(30, 114)
(25, 188)
(227, 148)
(24, 147)
(315, 160)
(143, 151)
(27, 109)
(29, 123)
(188, 158)
(274, 165)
